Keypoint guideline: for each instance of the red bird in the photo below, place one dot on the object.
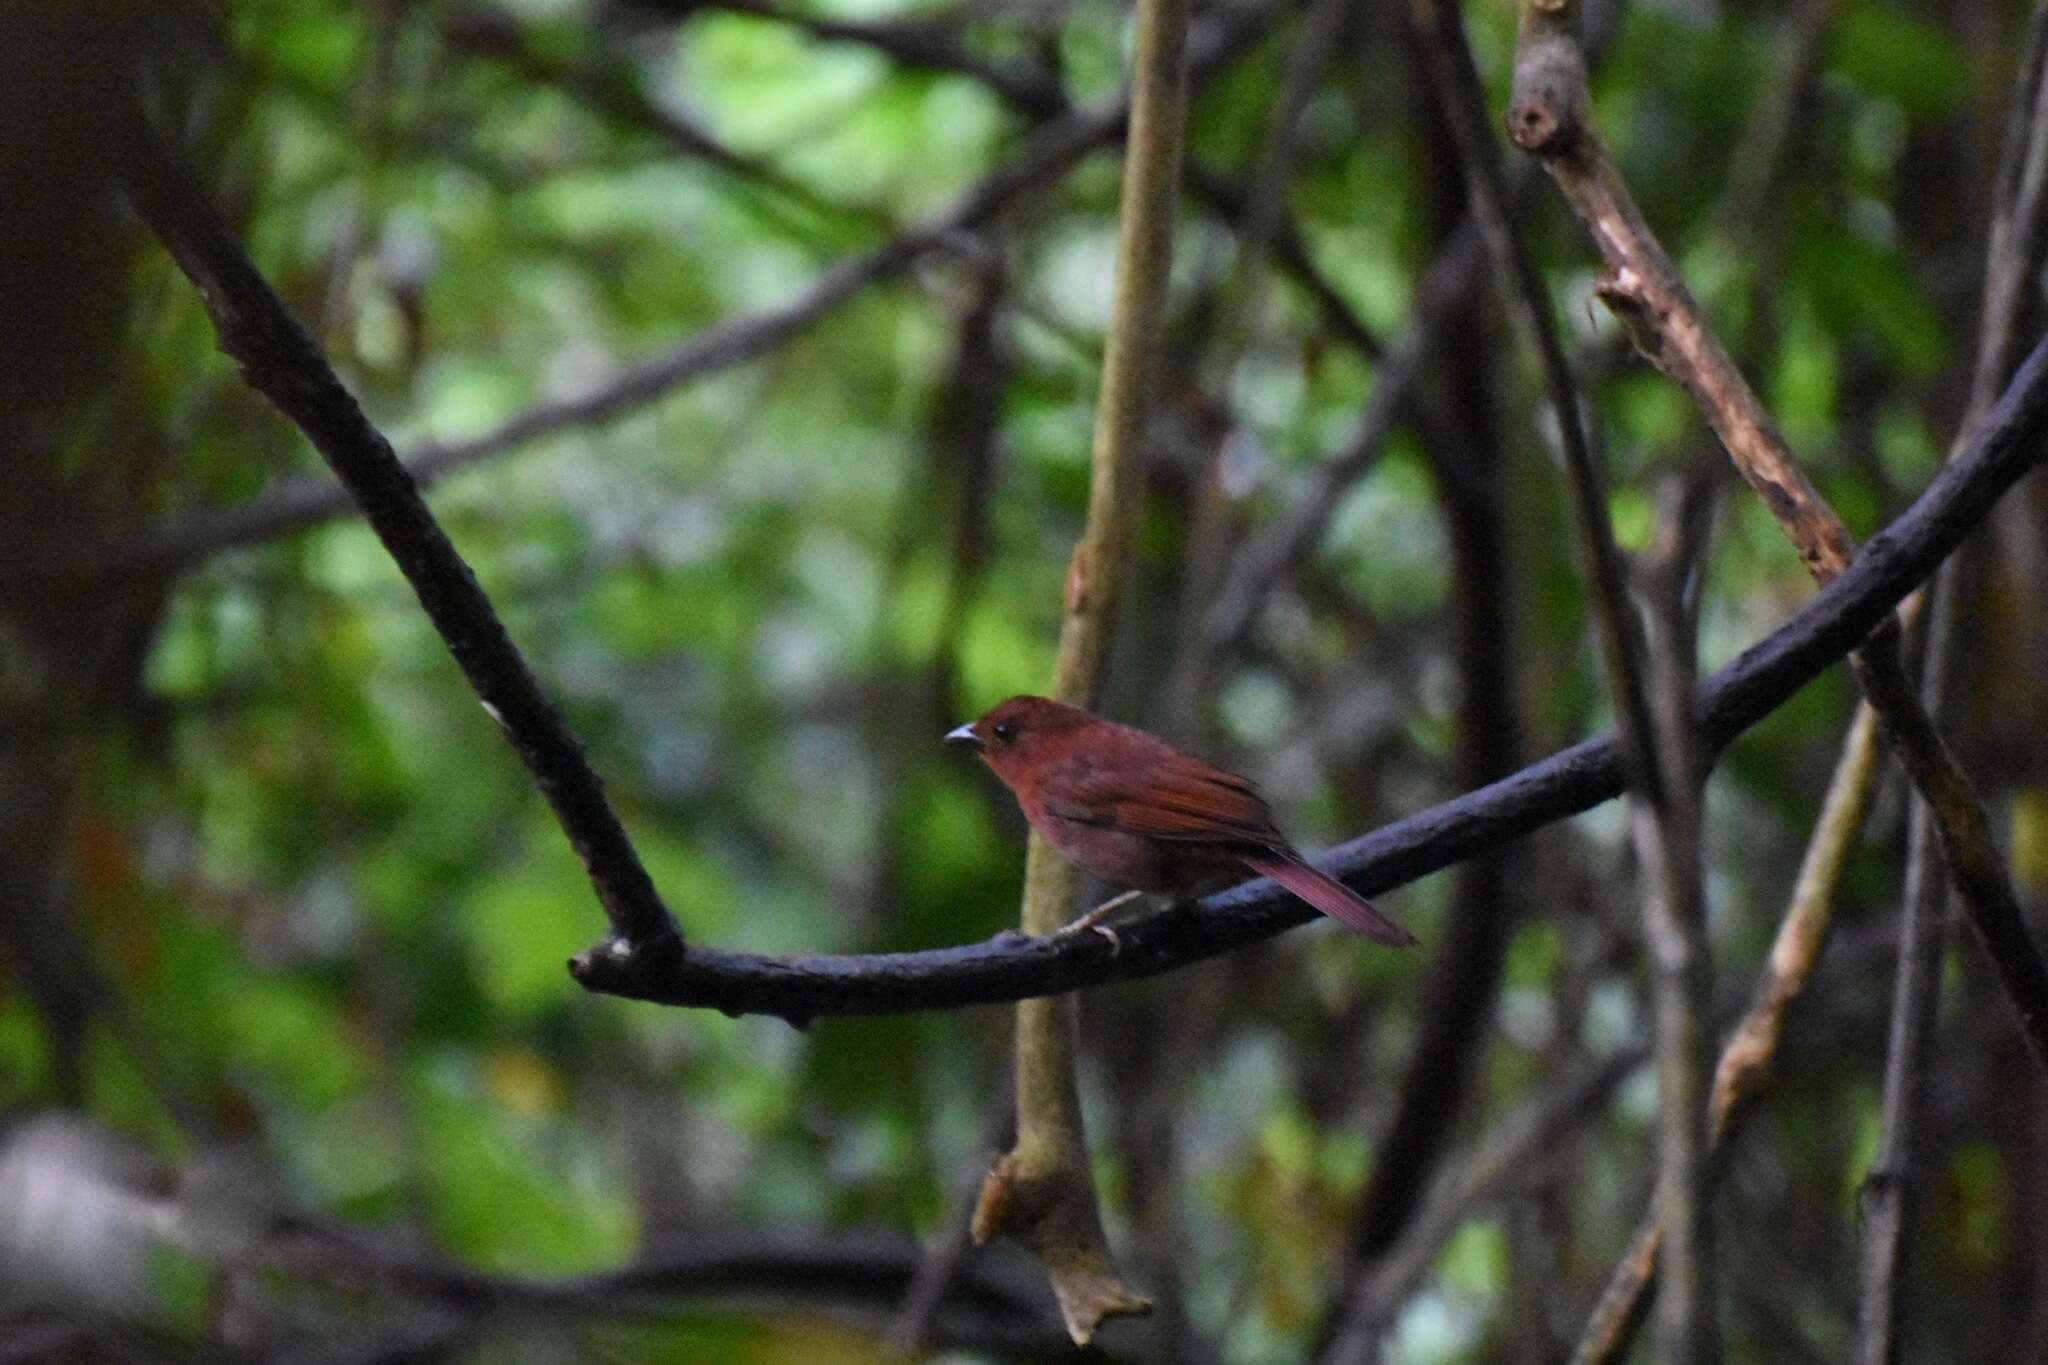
(1137, 812)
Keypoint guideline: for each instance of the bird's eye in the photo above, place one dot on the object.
(1004, 731)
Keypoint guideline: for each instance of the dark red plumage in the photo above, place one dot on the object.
(1137, 812)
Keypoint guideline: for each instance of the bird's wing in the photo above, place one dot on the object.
(1171, 796)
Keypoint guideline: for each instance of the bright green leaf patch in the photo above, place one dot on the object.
(500, 1196)
(1898, 57)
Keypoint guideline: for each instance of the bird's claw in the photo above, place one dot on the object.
(1093, 919)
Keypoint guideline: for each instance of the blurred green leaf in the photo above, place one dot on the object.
(1898, 57)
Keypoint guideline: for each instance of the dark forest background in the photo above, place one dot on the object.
(749, 350)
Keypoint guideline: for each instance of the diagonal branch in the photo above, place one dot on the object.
(2003, 449)
(617, 93)
(281, 361)
(1444, 288)
(1511, 1152)
(920, 44)
(1550, 117)
(1441, 28)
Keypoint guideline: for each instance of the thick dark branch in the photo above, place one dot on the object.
(282, 362)
(1010, 967)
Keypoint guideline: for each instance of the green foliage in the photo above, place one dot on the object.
(335, 914)
(504, 1195)
(1898, 57)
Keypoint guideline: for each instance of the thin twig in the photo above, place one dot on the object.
(280, 360)
(1513, 1152)
(2018, 237)
(1752, 1049)
(2005, 447)
(1456, 78)
(1042, 1192)
(1445, 286)
(1674, 940)
(917, 44)
(616, 93)
(1916, 993)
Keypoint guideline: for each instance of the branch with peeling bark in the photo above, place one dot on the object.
(1550, 117)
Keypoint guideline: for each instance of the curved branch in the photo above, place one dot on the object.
(1010, 967)
(285, 365)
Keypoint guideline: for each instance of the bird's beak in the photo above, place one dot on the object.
(964, 736)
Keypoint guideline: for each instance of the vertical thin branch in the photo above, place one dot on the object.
(1460, 990)
(2019, 223)
(1042, 1192)
(1600, 566)
(2017, 239)
(1748, 1055)
(1674, 935)
(1916, 993)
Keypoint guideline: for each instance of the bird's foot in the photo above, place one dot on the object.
(1094, 918)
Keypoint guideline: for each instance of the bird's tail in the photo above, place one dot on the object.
(1331, 897)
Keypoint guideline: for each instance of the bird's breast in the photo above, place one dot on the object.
(1139, 861)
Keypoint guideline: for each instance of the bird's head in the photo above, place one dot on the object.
(1011, 734)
